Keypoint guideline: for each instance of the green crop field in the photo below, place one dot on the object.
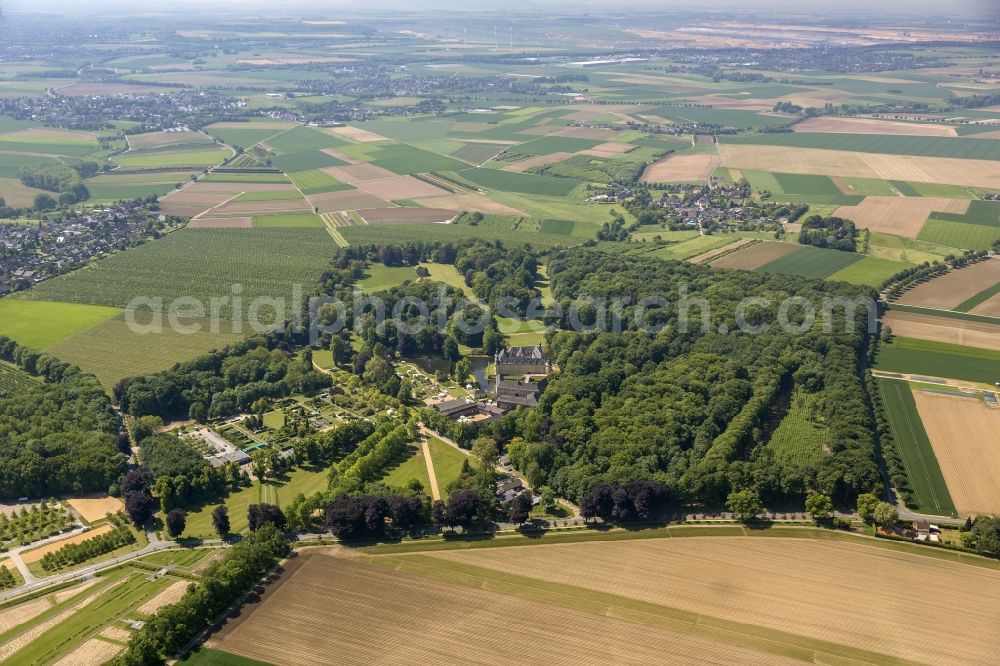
(924, 146)
(555, 144)
(940, 359)
(693, 247)
(125, 192)
(477, 153)
(406, 160)
(805, 184)
(171, 158)
(65, 149)
(930, 493)
(913, 189)
(279, 195)
(40, 324)
(429, 232)
(317, 181)
(236, 177)
(812, 262)
(305, 161)
(873, 187)
(966, 236)
(201, 263)
(242, 137)
(518, 182)
(415, 129)
(303, 139)
(301, 220)
(798, 440)
(111, 350)
(871, 271)
(13, 377)
(727, 117)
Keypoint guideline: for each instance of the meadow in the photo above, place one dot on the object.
(798, 440)
(929, 492)
(376, 234)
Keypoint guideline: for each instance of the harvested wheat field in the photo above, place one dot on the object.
(37, 554)
(95, 508)
(94, 652)
(610, 149)
(116, 634)
(25, 638)
(400, 215)
(941, 329)
(353, 173)
(334, 607)
(170, 595)
(974, 173)
(711, 254)
(752, 258)
(343, 157)
(965, 434)
(871, 126)
(330, 202)
(521, 166)
(955, 286)
(356, 134)
(990, 307)
(22, 612)
(845, 593)
(681, 168)
(901, 216)
(221, 223)
(399, 187)
(469, 201)
(288, 206)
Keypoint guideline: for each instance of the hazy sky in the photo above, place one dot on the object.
(965, 9)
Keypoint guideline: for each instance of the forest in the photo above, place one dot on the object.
(59, 435)
(694, 409)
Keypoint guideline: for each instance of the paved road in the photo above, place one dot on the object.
(34, 583)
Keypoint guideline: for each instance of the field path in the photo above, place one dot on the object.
(435, 491)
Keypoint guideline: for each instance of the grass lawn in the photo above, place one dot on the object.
(447, 462)
(281, 491)
(41, 324)
(414, 467)
(449, 275)
(940, 359)
(381, 277)
(930, 493)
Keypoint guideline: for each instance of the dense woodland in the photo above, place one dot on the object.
(59, 435)
(693, 410)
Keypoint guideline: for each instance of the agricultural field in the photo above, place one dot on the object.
(169, 157)
(812, 262)
(959, 427)
(956, 287)
(266, 262)
(40, 324)
(886, 144)
(626, 613)
(940, 359)
(798, 440)
(943, 329)
(681, 169)
(900, 216)
(86, 622)
(929, 490)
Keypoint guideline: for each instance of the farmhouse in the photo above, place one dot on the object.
(522, 361)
